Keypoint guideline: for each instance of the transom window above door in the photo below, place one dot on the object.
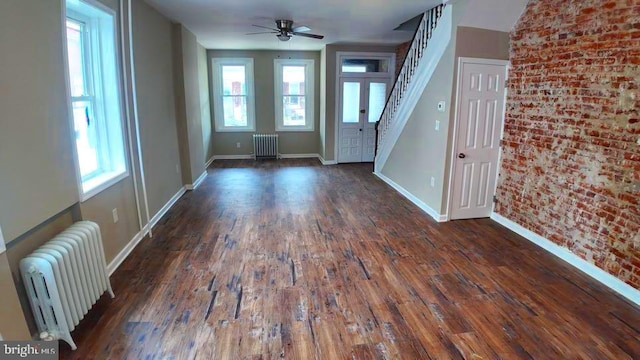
(233, 94)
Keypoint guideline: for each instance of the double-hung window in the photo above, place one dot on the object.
(233, 94)
(94, 96)
(294, 95)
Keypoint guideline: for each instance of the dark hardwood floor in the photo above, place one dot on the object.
(295, 260)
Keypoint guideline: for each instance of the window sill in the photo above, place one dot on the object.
(235, 130)
(294, 129)
(100, 183)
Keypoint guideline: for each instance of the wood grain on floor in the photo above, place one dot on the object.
(291, 259)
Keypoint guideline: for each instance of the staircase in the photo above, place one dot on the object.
(429, 44)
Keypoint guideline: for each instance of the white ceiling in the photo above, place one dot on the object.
(222, 24)
(499, 15)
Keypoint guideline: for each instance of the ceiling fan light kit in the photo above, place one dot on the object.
(285, 31)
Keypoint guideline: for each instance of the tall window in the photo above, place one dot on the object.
(233, 94)
(94, 95)
(294, 95)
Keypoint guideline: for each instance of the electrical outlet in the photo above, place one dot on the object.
(441, 106)
(114, 212)
(437, 125)
(238, 145)
(433, 181)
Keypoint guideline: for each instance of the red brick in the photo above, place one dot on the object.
(572, 121)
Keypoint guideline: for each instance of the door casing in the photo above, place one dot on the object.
(390, 75)
(456, 127)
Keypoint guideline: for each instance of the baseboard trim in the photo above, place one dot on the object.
(166, 207)
(299, 156)
(574, 260)
(209, 162)
(419, 203)
(327, 162)
(231, 157)
(197, 183)
(124, 253)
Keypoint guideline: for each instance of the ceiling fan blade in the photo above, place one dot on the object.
(313, 36)
(263, 32)
(264, 27)
(301, 28)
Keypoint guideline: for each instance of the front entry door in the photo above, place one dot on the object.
(362, 101)
(480, 118)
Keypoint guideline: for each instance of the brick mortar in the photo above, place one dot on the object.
(572, 134)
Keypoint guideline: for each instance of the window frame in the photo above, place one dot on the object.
(217, 65)
(107, 108)
(309, 94)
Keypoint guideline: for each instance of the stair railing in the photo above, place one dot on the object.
(411, 61)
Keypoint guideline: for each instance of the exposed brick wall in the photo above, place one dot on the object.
(401, 54)
(571, 161)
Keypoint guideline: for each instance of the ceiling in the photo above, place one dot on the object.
(222, 24)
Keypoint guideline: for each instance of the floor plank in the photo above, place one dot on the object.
(291, 259)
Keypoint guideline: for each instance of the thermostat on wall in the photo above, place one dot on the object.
(441, 106)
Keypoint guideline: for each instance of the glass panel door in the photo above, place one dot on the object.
(377, 100)
(351, 102)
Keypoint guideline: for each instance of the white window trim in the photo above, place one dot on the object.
(309, 74)
(104, 181)
(216, 72)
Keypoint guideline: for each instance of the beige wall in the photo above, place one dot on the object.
(12, 321)
(205, 104)
(420, 152)
(330, 92)
(153, 60)
(38, 190)
(224, 143)
(482, 43)
(189, 116)
(37, 173)
(323, 104)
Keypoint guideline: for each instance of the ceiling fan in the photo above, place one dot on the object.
(285, 31)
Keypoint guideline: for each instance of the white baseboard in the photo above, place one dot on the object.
(231, 157)
(327, 162)
(565, 254)
(209, 162)
(166, 207)
(419, 203)
(115, 263)
(299, 156)
(197, 183)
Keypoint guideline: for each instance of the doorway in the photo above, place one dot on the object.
(477, 134)
(362, 102)
(364, 82)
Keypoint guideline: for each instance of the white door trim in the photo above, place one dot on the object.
(3, 247)
(454, 140)
(339, 54)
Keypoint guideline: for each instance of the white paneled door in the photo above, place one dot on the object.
(481, 93)
(361, 104)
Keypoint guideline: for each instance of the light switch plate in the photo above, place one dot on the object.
(437, 125)
(441, 105)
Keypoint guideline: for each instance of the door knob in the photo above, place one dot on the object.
(362, 111)
(462, 156)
